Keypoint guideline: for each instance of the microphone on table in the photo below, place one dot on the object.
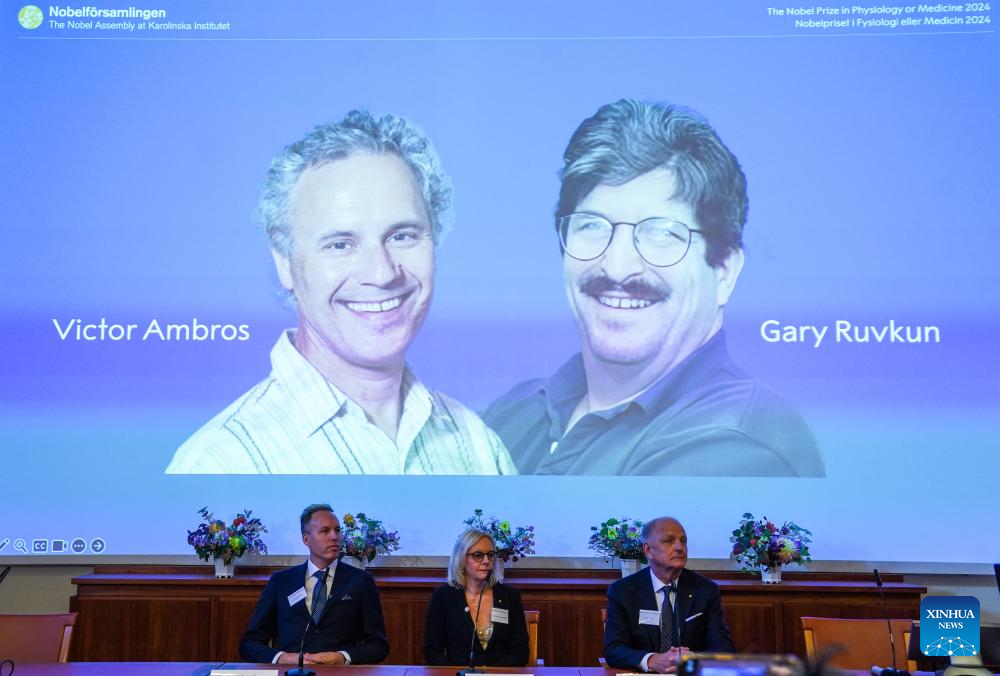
(472, 644)
(302, 671)
(878, 671)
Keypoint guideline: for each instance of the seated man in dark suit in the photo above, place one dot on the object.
(338, 602)
(660, 613)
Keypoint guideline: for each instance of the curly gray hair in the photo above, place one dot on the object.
(357, 132)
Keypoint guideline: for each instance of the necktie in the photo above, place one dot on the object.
(666, 621)
(319, 595)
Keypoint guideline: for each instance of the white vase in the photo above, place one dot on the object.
(356, 562)
(770, 574)
(223, 569)
(498, 569)
(630, 566)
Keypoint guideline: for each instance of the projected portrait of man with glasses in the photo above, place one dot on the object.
(650, 221)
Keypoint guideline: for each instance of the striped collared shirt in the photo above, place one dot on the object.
(297, 422)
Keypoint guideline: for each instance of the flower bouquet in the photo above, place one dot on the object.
(365, 538)
(620, 538)
(213, 539)
(512, 543)
(761, 545)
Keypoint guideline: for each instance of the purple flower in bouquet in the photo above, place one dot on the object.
(213, 539)
(512, 543)
(759, 543)
(365, 538)
(621, 538)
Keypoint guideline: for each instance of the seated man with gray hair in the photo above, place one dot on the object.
(662, 612)
(353, 212)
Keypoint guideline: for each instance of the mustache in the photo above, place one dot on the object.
(639, 287)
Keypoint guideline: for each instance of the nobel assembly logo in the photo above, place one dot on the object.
(949, 626)
(30, 17)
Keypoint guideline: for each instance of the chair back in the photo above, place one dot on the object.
(863, 643)
(36, 638)
(531, 619)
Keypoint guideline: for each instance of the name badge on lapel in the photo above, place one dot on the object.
(649, 617)
(500, 615)
(296, 596)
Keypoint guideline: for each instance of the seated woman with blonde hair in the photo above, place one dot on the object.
(475, 611)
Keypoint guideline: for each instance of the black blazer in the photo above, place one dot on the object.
(351, 621)
(699, 611)
(449, 629)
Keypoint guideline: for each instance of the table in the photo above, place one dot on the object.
(203, 669)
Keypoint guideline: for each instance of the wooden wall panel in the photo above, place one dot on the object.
(404, 625)
(232, 615)
(138, 629)
(755, 626)
(184, 614)
(570, 631)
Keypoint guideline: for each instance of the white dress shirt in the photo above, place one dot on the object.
(310, 585)
(660, 593)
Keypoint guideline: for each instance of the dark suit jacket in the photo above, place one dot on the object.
(626, 642)
(449, 629)
(352, 618)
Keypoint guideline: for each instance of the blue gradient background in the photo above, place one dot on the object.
(132, 167)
